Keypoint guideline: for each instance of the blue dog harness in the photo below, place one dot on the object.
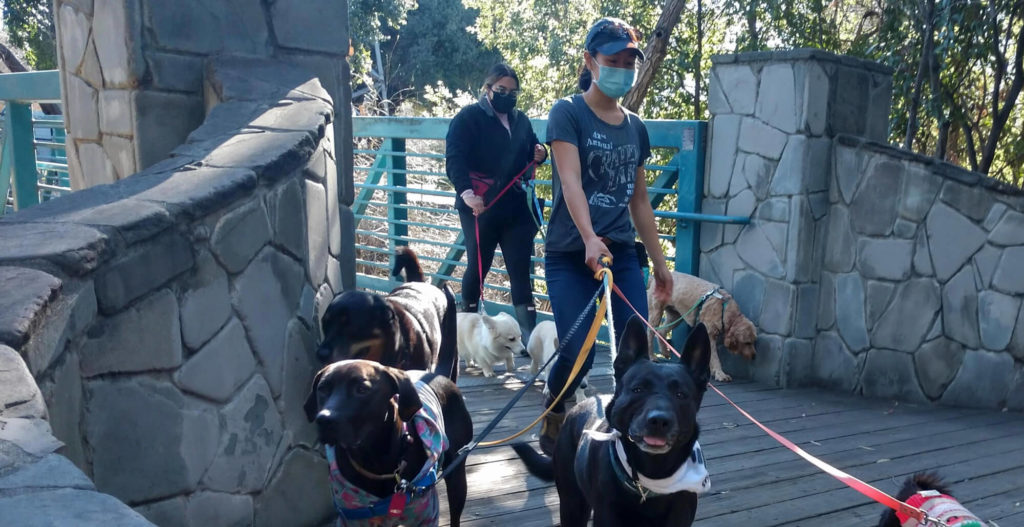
(414, 502)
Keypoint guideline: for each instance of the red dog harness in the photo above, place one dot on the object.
(940, 507)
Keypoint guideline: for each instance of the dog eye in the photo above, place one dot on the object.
(362, 389)
(682, 395)
(638, 389)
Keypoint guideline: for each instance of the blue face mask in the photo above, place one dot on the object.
(614, 82)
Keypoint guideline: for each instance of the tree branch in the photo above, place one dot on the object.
(655, 52)
(999, 119)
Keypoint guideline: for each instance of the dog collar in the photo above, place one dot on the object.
(691, 476)
(939, 507)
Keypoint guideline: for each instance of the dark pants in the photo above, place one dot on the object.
(571, 285)
(514, 232)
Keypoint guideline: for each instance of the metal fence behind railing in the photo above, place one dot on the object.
(404, 198)
(33, 162)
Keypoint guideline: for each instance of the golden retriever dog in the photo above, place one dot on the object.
(738, 333)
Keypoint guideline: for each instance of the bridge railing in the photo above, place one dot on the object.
(403, 197)
(33, 162)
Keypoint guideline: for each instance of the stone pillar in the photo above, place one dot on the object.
(132, 70)
(774, 118)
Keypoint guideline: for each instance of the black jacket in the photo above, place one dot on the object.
(478, 142)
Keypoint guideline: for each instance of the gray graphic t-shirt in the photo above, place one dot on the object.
(609, 157)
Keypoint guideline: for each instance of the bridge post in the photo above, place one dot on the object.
(19, 140)
(774, 120)
(132, 72)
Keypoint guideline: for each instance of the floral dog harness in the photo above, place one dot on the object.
(416, 502)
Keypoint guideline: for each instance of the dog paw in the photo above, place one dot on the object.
(721, 376)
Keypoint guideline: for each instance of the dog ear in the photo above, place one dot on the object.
(697, 355)
(632, 346)
(408, 398)
(311, 407)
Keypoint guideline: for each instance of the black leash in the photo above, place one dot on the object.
(464, 451)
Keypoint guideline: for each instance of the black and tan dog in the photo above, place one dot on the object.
(927, 491)
(405, 329)
(383, 426)
(635, 462)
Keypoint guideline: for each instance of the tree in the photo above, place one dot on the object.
(29, 24)
(542, 40)
(546, 47)
(372, 18)
(958, 100)
(654, 52)
(435, 45)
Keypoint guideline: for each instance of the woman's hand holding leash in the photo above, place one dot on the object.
(596, 251)
(662, 284)
(474, 202)
(539, 153)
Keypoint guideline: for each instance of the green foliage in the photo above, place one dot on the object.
(29, 24)
(434, 45)
(542, 40)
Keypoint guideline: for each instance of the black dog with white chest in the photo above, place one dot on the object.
(387, 434)
(635, 462)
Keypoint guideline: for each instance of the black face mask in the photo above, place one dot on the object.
(503, 102)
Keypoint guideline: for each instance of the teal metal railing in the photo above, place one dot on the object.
(403, 198)
(33, 162)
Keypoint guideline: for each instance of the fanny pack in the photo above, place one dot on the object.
(483, 186)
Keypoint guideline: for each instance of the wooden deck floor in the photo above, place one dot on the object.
(756, 481)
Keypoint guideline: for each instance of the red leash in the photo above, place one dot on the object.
(476, 221)
(850, 481)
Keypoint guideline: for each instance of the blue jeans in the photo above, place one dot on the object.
(571, 285)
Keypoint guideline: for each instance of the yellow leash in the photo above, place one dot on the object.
(606, 274)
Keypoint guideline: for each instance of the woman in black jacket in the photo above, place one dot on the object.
(488, 144)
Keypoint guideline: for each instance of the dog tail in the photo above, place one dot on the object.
(923, 481)
(538, 464)
(448, 356)
(407, 261)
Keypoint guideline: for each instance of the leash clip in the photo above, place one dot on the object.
(931, 521)
(469, 446)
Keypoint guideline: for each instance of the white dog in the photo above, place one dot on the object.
(485, 341)
(543, 344)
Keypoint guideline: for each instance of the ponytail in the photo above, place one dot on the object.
(585, 78)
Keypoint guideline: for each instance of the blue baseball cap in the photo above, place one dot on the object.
(610, 35)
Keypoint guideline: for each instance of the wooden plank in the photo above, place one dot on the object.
(806, 497)
(992, 498)
(755, 481)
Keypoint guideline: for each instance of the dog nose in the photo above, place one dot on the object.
(326, 417)
(659, 422)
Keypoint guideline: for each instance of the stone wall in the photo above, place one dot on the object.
(866, 269)
(168, 320)
(132, 70)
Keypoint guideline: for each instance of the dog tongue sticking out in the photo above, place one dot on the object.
(654, 441)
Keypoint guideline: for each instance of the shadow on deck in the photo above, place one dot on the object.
(756, 481)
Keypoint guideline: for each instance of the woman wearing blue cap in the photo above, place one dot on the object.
(599, 194)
